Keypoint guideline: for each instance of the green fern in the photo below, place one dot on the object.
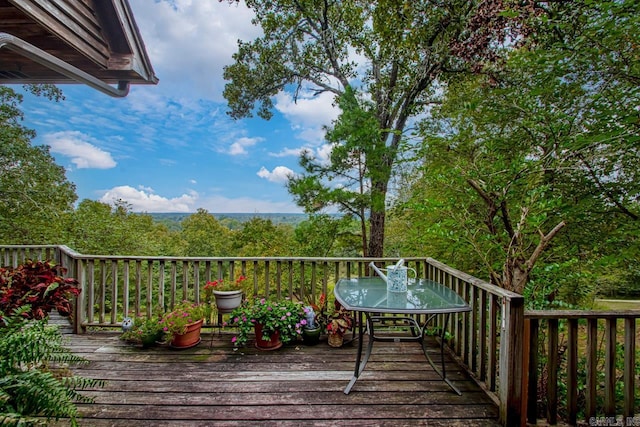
(35, 383)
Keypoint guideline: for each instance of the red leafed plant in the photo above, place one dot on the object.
(38, 284)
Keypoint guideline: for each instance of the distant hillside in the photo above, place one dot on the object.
(231, 220)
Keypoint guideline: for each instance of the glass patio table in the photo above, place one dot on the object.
(368, 296)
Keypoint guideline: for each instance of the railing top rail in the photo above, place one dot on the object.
(75, 254)
(580, 314)
(493, 289)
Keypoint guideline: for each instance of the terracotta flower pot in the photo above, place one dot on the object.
(273, 344)
(226, 301)
(190, 338)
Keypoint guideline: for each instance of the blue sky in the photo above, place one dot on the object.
(172, 147)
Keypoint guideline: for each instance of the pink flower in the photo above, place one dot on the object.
(234, 339)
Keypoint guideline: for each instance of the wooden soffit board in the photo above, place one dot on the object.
(99, 37)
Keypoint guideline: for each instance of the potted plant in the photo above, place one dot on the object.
(143, 330)
(339, 323)
(39, 285)
(227, 295)
(316, 318)
(183, 324)
(274, 323)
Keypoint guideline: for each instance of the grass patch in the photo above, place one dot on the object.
(613, 305)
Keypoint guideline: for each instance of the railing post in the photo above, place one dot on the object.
(511, 360)
(81, 304)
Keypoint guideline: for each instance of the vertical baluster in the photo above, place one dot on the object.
(473, 330)
(103, 289)
(220, 270)
(114, 291)
(267, 276)
(279, 280)
(232, 271)
(90, 290)
(465, 324)
(174, 283)
(592, 342)
(458, 320)
(572, 372)
(149, 288)
(196, 281)
(313, 280)
(610, 368)
(302, 280)
(185, 280)
(493, 341)
(207, 271)
(161, 296)
(138, 287)
(80, 314)
(125, 287)
(629, 367)
(482, 325)
(290, 280)
(325, 279)
(532, 390)
(552, 371)
(255, 278)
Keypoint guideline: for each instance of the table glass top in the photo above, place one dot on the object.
(422, 296)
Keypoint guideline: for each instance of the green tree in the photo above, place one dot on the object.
(548, 138)
(205, 236)
(404, 48)
(261, 237)
(324, 236)
(35, 195)
(98, 228)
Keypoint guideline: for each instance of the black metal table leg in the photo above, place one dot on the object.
(358, 368)
(442, 371)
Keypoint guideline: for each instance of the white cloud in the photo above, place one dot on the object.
(308, 114)
(323, 153)
(80, 148)
(289, 152)
(190, 41)
(143, 200)
(240, 146)
(280, 174)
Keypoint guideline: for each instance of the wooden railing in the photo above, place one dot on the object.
(600, 386)
(488, 341)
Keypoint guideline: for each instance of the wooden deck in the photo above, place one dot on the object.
(213, 384)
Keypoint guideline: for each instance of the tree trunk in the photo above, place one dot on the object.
(376, 234)
(378, 213)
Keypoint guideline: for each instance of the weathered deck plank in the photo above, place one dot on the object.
(213, 384)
